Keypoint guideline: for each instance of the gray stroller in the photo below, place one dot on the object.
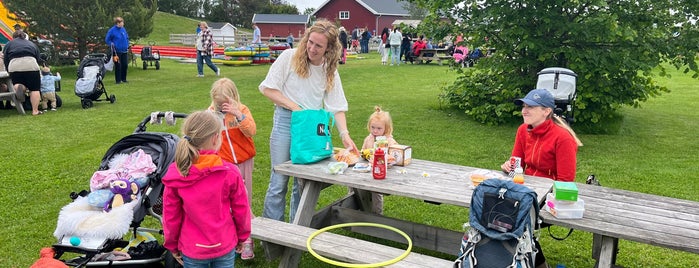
(561, 83)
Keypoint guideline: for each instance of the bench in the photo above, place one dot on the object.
(338, 247)
(436, 54)
(10, 95)
(613, 214)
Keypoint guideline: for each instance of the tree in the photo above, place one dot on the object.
(82, 24)
(617, 47)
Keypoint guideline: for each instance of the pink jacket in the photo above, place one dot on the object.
(206, 214)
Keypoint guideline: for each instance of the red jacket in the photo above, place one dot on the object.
(547, 150)
(417, 46)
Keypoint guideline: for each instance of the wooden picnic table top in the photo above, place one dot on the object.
(421, 179)
(646, 218)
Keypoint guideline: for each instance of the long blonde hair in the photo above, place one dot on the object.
(225, 88)
(383, 117)
(197, 131)
(301, 63)
(562, 123)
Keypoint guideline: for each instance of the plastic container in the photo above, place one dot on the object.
(519, 176)
(565, 191)
(564, 209)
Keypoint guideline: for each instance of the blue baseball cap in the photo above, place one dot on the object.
(537, 97)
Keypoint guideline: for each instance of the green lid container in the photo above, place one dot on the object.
(567, 191)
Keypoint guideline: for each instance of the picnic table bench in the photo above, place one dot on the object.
(613, 214)
(432, 182)
(433, 54)
(339, 247)
(10, 95)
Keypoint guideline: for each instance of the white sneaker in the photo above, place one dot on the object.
(218, 72)
(200, 75)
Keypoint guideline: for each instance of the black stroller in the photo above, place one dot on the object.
(91, 248)
(561, 83)
(89, 86)
(150, 56)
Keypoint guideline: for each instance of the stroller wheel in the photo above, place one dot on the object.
(86, 103)
(157, 65)
(112, 98)
(145, 65)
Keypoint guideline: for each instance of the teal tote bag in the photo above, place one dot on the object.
(310, 136)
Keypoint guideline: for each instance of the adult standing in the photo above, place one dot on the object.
(384, 47)
(395, 40)
(21, 58)
(256, 34)
(343, 42)
(366, 36)
(205, 49)
(305, 77)
(290, 40)
(405, 46)
(118, 40)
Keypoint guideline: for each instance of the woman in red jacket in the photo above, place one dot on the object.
(546, 144)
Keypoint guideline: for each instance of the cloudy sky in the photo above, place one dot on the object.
(301, 5)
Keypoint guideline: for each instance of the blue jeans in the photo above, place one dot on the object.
(395, 54)
(279, 145)
(200, 63)
(225, 261)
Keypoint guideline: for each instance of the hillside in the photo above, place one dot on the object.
(165, 24)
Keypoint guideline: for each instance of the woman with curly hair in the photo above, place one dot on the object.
(305, 77)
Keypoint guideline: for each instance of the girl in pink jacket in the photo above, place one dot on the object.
(206, 215)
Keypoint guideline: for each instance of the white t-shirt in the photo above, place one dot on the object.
(308, 93)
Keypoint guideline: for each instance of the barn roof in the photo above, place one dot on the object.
(219, 25)
(280, 18)
(379, 7)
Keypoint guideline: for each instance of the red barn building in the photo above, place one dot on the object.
(372, 14)
(280, 25)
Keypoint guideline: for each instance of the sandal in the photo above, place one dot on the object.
(39, 113)
(248, 250)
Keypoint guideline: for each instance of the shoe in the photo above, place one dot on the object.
(200, 75)
(218, 72)
(118, 83)
(248, 250)
(124, 81)
(53, 109)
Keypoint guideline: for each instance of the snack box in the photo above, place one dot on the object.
(564, 209)
(402, 154)
(567, 191)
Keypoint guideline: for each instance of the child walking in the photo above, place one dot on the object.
(206, 214)
(237, 145)
(48, 88)
(380, 126)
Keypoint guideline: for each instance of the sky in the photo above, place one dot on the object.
(301, 5)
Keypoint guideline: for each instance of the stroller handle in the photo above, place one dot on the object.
(142, 126)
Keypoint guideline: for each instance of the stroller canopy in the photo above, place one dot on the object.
(559, 81)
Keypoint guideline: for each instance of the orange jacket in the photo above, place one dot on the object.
(240, 134)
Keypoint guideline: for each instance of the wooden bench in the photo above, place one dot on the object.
(436, 54)
(338, 247)
(613, 214)
(10, 95)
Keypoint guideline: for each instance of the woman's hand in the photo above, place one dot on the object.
(349, 143)
(506, 167)
(178, 257)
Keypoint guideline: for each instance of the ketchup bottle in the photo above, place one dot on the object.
(379, 166)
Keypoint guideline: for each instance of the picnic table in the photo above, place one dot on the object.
(433, 54)
(432, 182)
(613, 214)
(10, 95)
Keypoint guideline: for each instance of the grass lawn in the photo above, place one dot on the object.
(46, 157)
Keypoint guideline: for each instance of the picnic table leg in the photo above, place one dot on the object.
(604, 249)
(304, 215)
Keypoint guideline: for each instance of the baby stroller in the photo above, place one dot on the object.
(89, 86)
(561, 83)
(150, 55)
(95, 237)
(460, 55)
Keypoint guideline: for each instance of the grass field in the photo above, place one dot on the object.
(46, 157)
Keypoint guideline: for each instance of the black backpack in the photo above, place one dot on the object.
(502, 218)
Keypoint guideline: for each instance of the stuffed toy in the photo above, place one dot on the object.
(124, 191)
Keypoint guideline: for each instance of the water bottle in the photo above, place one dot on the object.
(379, 165)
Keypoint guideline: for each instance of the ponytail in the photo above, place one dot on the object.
(562, 123)
(197, 131)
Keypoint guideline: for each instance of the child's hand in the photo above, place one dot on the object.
(178, 258)
(58, 74)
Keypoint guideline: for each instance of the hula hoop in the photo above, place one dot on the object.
(358, 265)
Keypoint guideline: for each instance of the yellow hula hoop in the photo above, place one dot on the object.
(357, 265)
